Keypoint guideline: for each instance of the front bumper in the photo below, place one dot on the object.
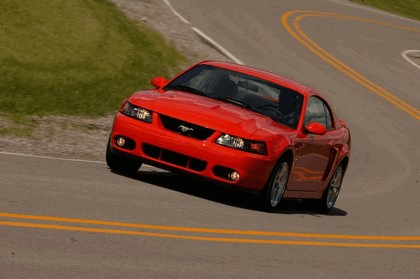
(161, 147)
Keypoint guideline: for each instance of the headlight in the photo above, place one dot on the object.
(257, 147)
(136, 112)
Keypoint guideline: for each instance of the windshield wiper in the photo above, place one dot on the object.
(185, 88)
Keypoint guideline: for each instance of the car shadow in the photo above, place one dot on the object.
(218, 193)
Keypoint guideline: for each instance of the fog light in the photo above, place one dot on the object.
(120, 141)
(234, 176)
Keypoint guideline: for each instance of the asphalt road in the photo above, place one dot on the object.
(159, 225)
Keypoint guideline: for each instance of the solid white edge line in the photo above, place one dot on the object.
(50, 158)
(61, 159)
(175, 12)
(406, 52)
(216, 45)
(204, 36)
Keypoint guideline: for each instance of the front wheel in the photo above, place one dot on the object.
(276, 186)
(121, 164)
(326, 203)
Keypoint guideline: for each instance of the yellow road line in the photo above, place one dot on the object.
(207, 230)
(330, 59)
(212, 239)
(352, 73)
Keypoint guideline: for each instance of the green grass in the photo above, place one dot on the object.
(407, 8)
(78, 57)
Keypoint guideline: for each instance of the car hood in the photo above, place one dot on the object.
(203, 111)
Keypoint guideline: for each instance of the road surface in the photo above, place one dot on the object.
(77, 219)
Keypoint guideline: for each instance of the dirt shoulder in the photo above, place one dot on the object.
(86, 138)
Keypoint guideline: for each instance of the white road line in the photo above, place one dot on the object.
(50, 158)
(204, 36)
(175, 12)
(63, 159)
(405, 53)
(216, 45)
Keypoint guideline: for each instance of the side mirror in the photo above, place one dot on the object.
(316, 128)
(159, 82)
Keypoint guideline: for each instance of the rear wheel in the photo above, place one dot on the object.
(120, 163)
(276, 186)
(326, 203)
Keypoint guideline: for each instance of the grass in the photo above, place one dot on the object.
(406, 8)
(78, 57)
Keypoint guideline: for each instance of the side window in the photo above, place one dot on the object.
(329, 122)
(315, 112)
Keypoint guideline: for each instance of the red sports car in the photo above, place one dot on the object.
(237, 125)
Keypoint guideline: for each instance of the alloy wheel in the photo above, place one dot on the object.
(279, 184)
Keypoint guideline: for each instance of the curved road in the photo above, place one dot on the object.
(76, 219)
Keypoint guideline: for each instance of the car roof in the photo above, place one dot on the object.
(271, 77)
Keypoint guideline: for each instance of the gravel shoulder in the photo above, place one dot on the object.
(86, 138)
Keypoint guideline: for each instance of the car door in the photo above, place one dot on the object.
(313, 153)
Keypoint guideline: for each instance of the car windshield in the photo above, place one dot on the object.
(280, 103)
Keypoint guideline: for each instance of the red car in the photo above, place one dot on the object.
(237, 125)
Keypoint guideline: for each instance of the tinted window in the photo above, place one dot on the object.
(280, 103)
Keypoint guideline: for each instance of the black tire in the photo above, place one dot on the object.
(121, 164)
(328, 199)
(276, 186)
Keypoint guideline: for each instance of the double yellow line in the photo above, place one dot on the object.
(294, 29)
(205, 234)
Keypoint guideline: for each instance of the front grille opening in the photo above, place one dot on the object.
(174, 158)
(197, 165)
(185, 128)
(152, 151)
